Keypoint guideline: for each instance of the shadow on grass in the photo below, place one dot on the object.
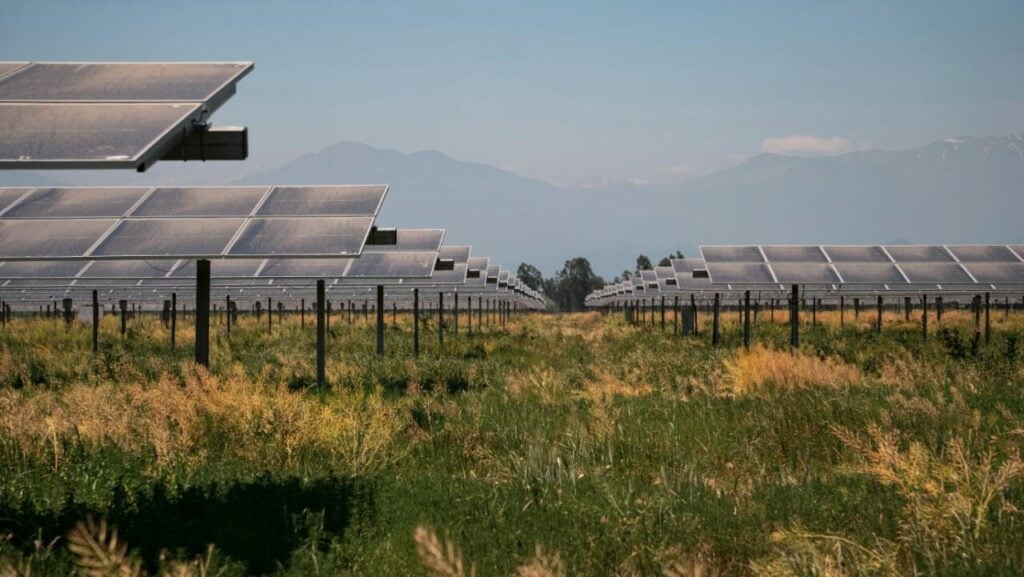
(258, 523)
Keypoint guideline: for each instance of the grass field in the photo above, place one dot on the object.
(565, 445)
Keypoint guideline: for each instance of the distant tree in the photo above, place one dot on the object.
(665, 262)
(573, 283)
(626, 275)
(643, 263)
(531, 276)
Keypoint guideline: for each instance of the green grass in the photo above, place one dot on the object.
(617, 447)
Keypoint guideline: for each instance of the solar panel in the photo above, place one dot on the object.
(728, 254)
(302, 236)
(687, 265)
(989, 273)
(224, 268)
(902, 254)
(478, 263)
(37, 135)
(9, 195)
(120, 82)
(869, 273)
(840, 253)
(126, 269)
(392, 265)
(8, 67)
(412, 240)
(728, 273)
(810, 273)
(22, 239)
(76, 203)
(935, 273)
(40, 269)
(793, 254)
(176, 238)
(353, 200)
(201, 201)
(458, 254)
(982, 253)
(305, 268)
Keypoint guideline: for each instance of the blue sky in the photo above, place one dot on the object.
(573, 92)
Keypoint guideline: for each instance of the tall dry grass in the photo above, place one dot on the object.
(762, 371)
(183, 423)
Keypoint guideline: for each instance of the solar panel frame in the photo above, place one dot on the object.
(392, 265)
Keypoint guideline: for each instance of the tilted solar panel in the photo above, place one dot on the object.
(120, 81)
(36, 135)
(853, 253)
(726, 254)
(42, 238)
(869, 273)
(810, 273)
(982, 253)
(167, 238)
(412, 240)
(989, 273)
(793, 254)
(728, 273)
(279, 237)
(922, 253)
(351, 200)
(201, 201)
(458, 254)
(392, 265)
(935, 273)
(76, 203)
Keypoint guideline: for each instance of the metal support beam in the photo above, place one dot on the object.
(95, 323)
(440, 319)
(203, 312)
(746, 320)
(794, 317)
(321, 336)
(380, 321)
(714, 320)
(174, 319)
(416, 322)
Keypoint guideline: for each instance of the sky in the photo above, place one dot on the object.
(574, 93)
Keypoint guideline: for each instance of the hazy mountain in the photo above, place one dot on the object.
(957, 190)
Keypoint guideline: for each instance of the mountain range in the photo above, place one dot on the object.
(957, 190)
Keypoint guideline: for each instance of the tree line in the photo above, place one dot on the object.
(567, 290)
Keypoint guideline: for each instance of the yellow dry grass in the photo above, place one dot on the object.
(180, 422)
(764, 371)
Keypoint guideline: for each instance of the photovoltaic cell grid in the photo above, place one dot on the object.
(900, 265)
(120, 223)
(105, 115)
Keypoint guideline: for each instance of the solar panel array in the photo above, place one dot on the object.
(175, 223)
(770, 270)
(105, 115)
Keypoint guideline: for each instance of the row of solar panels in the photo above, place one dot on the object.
(864, 269)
